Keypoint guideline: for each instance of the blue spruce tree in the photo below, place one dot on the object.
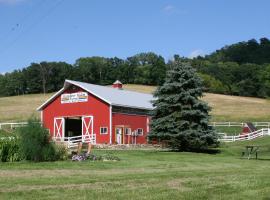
(180, 116)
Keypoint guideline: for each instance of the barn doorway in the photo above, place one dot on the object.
(73, 126)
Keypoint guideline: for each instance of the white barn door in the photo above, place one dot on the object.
(87, 129)
(59, 128)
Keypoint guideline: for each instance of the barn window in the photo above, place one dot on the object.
(139, 131)
(127, 131)
(103, 130)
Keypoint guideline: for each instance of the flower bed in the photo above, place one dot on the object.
(93, 157)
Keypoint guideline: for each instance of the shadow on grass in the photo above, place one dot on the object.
(206, 151)
(263, 159)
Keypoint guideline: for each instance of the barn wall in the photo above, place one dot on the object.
(94, 106)
(132, 121)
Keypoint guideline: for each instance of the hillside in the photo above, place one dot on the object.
(224, 108)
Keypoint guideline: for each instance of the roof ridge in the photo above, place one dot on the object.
(111, 88)
(109, 95)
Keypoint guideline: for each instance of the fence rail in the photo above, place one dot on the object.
(249, 136)
(74, 141)
(12, 125)
(241, 124)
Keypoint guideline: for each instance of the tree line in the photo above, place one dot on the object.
(144, 68)
(239, 69)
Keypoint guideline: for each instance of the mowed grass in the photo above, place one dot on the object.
(224, 107)
(143, 175)
(20, 108)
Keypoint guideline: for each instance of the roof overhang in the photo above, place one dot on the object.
(67, 84)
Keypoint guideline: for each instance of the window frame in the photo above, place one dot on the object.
(138, 131)
(103, 133)
(129, 132)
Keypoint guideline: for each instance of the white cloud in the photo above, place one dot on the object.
(170, 9)
(196, 53)
(11, 2)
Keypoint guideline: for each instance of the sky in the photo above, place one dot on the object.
(65, 30)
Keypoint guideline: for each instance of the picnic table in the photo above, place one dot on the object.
(250, 150)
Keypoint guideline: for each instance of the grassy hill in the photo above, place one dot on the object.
(145, 174)
(224, 108)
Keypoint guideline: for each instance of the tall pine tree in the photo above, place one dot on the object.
(180, 116)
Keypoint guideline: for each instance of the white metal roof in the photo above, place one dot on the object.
(110, 95)
(117, 82)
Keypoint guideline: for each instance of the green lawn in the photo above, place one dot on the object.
(144, 175)
(232, 130)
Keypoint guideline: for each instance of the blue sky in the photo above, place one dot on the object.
(64, 30)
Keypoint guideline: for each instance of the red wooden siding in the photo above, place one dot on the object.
(132, 121)
(93, 107)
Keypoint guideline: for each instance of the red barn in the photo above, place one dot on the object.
(97, 114)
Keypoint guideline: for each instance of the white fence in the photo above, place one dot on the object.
(249, 136)
(74, 141)
(12, 125)
(241, 124)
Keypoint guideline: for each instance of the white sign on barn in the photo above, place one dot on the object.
(74, 97)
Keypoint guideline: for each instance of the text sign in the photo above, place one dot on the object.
(74, 97)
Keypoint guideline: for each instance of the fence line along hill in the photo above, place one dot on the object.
(224, 107)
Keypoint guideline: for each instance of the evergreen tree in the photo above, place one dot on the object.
(180, 116)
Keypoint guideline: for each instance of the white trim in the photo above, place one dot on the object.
(78, 85)
(107, 101)
(50, 99)
(138, 131)
(128, 131)
(63, 89)
(41, 116)
(103, 127)
(130, 114)
(87, 127)
(127, 106)
(69, 82)
(110, 124)
(147, 124)
(57, 127)
(119, 136)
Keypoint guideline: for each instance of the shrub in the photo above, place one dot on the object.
(35, 143)
(9, 150)
(61, 152)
